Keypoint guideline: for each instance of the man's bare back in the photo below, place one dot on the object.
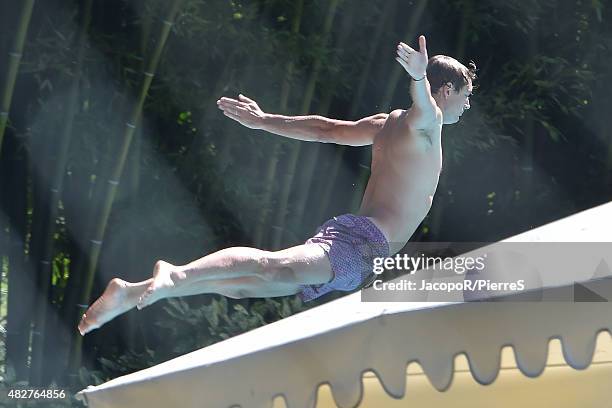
(406, 164)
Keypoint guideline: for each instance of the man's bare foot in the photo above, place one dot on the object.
(118, 297)
(165, 278)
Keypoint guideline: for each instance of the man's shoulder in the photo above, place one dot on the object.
(397, 113)
(407, 118)
(400, 130)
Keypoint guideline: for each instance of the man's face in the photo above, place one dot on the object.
(456, 102)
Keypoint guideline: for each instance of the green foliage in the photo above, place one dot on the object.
(221, 319)
(541, 88)
(184, 328)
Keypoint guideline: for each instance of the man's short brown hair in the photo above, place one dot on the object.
(442, 69)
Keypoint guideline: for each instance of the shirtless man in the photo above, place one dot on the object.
(406, 164)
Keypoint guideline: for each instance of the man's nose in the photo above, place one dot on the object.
(467, 105)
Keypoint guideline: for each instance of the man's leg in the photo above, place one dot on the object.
(302, 264)
(235, 272)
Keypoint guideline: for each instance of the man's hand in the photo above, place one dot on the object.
(413, 61)
(244, 110)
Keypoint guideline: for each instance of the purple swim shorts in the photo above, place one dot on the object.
(351, 242)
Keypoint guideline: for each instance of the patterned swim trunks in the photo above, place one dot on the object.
(351, 242)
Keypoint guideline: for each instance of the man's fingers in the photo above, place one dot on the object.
(232, 102)
(244, 98)
(225, 99)
(233, 109)
(232, 105)
(402, 63)
(142, 302)
(403, 53)
(406, 47)
(229, 102)
(423, 44)
(401, 58)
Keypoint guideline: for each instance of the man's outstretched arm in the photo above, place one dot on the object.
(308, 128)
(425, 110)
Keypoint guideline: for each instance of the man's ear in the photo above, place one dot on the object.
(447, 89)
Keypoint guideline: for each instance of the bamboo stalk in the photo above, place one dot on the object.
(3, 243)
(14, 58)
(132, 324)
(113, 182)
(384, 20)
(311, 154)
(45, 264)
(21, 284)
(281, 220)
(275, 153)
(75, 188)
(89, 194)
(363, 80)
(17, 307)
(467, 6)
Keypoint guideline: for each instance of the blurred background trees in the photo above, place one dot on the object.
(186, 180)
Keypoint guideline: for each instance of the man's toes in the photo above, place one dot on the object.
(84, 330)
(86, 325)
(140, 303)
(83, 322)
(144, 299)
(81, 326)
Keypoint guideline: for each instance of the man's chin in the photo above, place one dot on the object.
(452, 121)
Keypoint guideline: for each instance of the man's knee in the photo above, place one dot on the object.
(275, 267)
(249, 259)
